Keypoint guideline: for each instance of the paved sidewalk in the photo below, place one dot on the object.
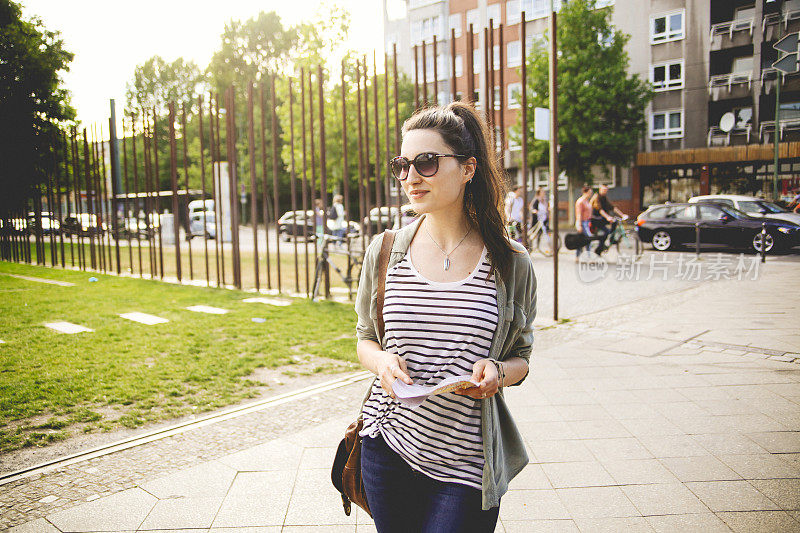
(673, 414)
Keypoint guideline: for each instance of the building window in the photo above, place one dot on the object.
(474, 18)
(514, 95)
(667, 76)
(459, 66)
(496, 97)
(498, 139)
(667, 27)
(416, 32)
(493, 14)
(538, 8)
(742, 65)
(666, 125)
(476, 98)
(496, 57)
(513, 141)
(477, 61)
(512, 12)
(454, 22)
(513, 54)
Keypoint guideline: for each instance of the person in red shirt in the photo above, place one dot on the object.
(583, 214)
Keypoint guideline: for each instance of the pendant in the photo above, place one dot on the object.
(447, 263)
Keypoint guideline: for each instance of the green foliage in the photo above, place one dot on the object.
(601, 107)
(157, 82)
(32, 101)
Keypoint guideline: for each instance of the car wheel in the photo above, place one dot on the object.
(662, 241)
(769, 242)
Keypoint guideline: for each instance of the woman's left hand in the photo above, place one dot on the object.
(485, 373)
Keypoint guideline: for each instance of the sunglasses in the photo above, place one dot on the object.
(426, 164)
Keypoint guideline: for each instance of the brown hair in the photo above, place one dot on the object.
(465, 132)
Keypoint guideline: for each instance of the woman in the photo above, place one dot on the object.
(583, 216)
(460, 299)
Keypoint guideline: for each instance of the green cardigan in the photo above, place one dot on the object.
(503, 447)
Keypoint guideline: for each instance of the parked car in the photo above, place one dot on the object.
(50, 225)
(387, 216)
(198, 206)
(196, 224)
(82, 224)
(753, 206)
(407, 216)
(299, 223)
(668, 226)
(16, 226)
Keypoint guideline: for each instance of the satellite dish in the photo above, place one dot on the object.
(727, 122)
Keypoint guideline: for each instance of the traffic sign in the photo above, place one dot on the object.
(789, 45)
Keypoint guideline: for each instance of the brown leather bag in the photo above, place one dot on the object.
(346, 470)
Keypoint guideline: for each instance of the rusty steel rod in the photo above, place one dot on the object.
(233, 177)
(490, 77)
(345, 150)
(524, 116)
(157, 192)
(173, 178)
(396, 129)
(387, 135)
(361, 200)
(416, 78)
(251, 149)
(305, 200)
(215, 162)
(313, 188)
(424, 74)
(275, 187)
(220, 199)
(486, 84)
(65, 162)
(189, 236)
(137, 204)
(203, 186)
(293, 183)
(87, 181)
(76, 177)
(501, 112)
(264, 181)
(378, 187)
(98, 200)
(126, 204)
(367, 161)
(435, 70)
(323, 173)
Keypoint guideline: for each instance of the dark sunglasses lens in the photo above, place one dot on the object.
(399, 167)
(426, 164)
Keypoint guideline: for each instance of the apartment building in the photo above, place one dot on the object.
(711, 123)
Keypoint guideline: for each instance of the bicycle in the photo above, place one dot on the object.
(537, 237)
(354, 260)
(624, 240)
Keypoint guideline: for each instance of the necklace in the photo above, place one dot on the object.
(447, 255)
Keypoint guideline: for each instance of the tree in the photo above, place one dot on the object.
(157, 82)
(33, 103)
(601, 108)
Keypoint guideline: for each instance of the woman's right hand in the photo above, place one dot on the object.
(391, 367)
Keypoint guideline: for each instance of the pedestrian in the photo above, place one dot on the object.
(583, 216)
(514, 215)
(460, 298)
(336, 216)
(318, 213)
(539, 210)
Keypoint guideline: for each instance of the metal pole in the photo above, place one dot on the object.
(251, 148)
(777, 136)
(173, 176)
(387, 134)
(293, 181)
(218, 131)
(323, 171)
(502, 90)
(233, 176)
(361, 200)
(490, 81)
(157, 190)
(56, 141)
(470, 73)
(116, 177)
(215, 169)
(366, 150)
(126, 205)
(435, 71)
(453, 64)
(487, 85)
(188, 226)
(313, 185)
(396, 125)
(136, 204)
(524, 102)
(424, 74)
(275, 187)
(304, 199)
(79, 211)
(553, 71)
(416, 79)
(265, 183)
(89, 193)
(378, 188)
(345, 150)
(203, 187)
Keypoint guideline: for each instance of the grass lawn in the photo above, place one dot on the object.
(124, 373)
(289, 281)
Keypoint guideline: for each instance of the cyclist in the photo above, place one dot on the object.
(603, 212)
(583, 213)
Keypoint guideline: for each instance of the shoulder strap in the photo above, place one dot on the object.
(383, 265)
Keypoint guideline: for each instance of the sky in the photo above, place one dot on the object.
(109, 37)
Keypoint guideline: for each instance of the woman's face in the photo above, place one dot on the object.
(444, 190)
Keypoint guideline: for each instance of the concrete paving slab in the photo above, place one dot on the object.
(532, 477)
(731, 496)
(630, 524)
(719, 444)
(280, 302)
(668, 498)
(579, 474)
(256, 499)
(523, 505)
(279, 454)
(701, 468)
(144, 318)
(125, 510)
(760, 466)
(310, 506)
(778, 441)
(540, 526)
(207, 480)
(254, 529)
(688, 523)
(597, 502)
(784, 492)
(35, 526)
(638, 471)
(207, 309)
(67, 327)
(760, 522)
(171, 513)
(618, 449)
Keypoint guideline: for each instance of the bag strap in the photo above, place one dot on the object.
(383, 266)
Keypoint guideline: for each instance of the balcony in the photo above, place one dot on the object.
(778, 18)
(732, 26)
(728, 81)
(768, 127)
(717, 136)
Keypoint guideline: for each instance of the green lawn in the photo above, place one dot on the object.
(124, 373)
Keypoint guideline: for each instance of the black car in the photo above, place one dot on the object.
(667, 226)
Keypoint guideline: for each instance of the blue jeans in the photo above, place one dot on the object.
(586, 231)
(403, 500)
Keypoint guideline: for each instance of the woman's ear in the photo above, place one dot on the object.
(468, 168)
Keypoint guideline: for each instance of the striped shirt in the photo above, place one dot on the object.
(440, 330)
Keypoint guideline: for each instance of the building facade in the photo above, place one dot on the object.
(710, 124)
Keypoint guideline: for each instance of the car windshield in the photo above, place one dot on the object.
(772, 208)
(732, 211)
(749, 206)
